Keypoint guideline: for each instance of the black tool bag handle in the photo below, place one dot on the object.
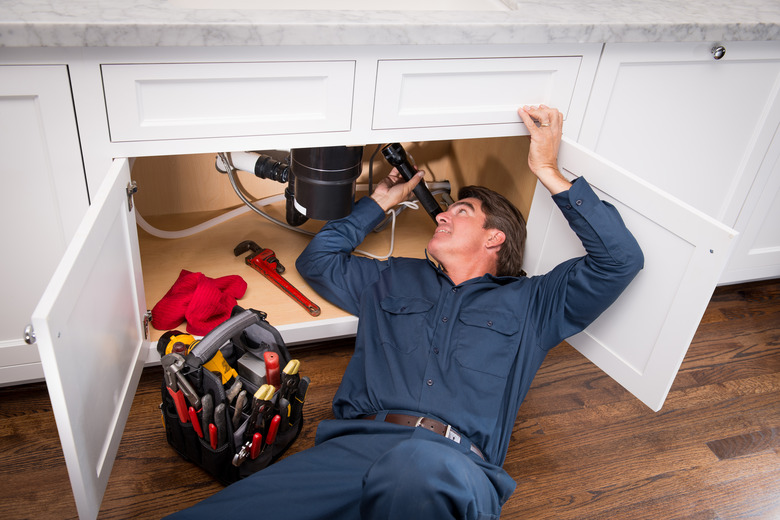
(210, 344)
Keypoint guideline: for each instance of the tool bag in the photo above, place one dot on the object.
(201, 427)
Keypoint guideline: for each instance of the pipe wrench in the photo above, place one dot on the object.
(265, 262)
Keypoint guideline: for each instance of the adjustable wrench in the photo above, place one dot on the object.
(265, 262)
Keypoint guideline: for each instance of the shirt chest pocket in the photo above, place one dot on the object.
(487, 341)
(404, 324)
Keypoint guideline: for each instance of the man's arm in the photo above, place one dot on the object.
(327, 263)
(576, 292)
(329, 266)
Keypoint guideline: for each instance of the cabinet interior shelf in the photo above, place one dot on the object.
(211, 252)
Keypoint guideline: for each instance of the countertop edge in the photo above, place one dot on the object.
(217, 34)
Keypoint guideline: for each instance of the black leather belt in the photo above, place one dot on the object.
(433, 425)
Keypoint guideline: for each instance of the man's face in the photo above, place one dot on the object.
(460, 233)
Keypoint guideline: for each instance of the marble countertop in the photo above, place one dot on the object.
(114, 23)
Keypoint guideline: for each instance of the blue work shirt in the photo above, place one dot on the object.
(464, 354)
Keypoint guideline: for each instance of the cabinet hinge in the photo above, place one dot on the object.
(147, 321)
(132, 188)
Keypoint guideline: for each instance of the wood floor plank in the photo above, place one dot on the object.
(746, 443)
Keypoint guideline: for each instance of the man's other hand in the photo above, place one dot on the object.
(394, 189)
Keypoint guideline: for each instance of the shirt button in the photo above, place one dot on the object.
(445, 319)
(578, 203)
(490, 323)
(568, 206)
(429, 382)
(435, 350)
(454, 289)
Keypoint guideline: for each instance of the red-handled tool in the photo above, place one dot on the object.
(173, 365)
(271, 437)
(265, 262)
(172, 383)
(213, 436)
(181, 406)
(195, 422)
(257, 443)
(272, 376)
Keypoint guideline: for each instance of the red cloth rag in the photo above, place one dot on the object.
(204, 302)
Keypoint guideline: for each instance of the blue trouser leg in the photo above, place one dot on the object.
(322, 482)
(420, 478)
(359, 472)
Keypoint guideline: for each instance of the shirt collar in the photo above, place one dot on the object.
(487, 277)
(435, 265)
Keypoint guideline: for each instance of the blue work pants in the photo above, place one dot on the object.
(367, 470)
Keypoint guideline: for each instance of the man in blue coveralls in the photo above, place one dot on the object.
(445, 352)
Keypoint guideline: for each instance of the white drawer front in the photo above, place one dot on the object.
(182, 101)
(454, 92)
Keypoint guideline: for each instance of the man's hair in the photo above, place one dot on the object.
(502, 215)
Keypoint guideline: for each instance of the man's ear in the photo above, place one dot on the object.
(496, 239)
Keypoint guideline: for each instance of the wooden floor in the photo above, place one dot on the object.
(582, 447)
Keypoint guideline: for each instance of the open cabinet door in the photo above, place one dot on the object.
(90, 334)
(640, 341)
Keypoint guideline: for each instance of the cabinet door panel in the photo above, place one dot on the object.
(44, 197)
(198, 100)
(91, 339)
(640, 340)
(694, 126)
(420, 93)
(757, 253)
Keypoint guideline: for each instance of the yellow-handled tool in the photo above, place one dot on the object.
(184, 343)
(290, 379)
(292, 367)
(265, 393)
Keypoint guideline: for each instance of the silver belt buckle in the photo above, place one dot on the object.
(452, 434)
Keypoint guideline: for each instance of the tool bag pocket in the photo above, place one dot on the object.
(180, 435)
(232, 403)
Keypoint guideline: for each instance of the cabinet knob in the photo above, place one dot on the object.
(29, 335)
(718, 51)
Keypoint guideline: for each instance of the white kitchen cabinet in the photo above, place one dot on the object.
(695, 126)
(43, 198)
(70, 306)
